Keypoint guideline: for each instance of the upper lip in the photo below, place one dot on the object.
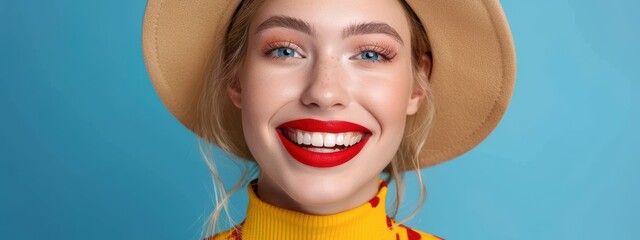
(333, 126)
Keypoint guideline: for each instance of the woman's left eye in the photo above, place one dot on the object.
(369, 56)
(285, 52)
(374, 53)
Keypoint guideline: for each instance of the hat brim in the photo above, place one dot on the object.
(472, 78)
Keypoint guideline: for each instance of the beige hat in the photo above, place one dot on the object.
(472, 78)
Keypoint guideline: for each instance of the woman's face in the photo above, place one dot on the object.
(325, 90)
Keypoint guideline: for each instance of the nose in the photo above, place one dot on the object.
(326, 89)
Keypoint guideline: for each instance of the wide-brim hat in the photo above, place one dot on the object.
(472, 77)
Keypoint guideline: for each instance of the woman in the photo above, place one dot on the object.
(326, 95)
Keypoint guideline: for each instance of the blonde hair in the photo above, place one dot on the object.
(215, 114)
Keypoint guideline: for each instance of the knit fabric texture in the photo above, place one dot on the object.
(368, 221)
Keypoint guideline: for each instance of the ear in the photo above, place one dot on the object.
(421, 79)
(234, 92)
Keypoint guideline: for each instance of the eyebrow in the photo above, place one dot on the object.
(352, 30)
(370, 28)
(287, 22)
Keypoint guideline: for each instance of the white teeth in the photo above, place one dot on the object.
(347, 139)
(320, 139)
(306, 139)
(329, 140)
(316, 139)
(299, 137)
(340, 139)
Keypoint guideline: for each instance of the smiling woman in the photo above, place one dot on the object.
(325, 88)
(326, 95)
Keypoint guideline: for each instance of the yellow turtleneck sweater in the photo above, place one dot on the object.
(368, 221)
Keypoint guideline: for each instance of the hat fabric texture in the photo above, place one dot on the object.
(472, 77)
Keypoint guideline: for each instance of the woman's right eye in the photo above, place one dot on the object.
(284, 52)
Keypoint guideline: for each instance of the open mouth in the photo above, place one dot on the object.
(322, 143)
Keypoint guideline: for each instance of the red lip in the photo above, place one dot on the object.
(322, 160)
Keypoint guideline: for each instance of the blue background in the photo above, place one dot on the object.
(87, 149)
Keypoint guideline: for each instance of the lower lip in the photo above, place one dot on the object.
(321, 160)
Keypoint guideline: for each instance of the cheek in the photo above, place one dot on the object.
(387, 97)
(264, 89)
(262, 96)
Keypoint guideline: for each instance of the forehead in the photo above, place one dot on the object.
(330, 16)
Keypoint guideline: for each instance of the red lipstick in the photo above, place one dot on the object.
(302, 154)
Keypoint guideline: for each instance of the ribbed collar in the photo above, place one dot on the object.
(367, 221)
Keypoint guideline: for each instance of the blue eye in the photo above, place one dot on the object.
(370, 56)
(285, 52)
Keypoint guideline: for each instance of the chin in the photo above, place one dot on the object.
(328, 190)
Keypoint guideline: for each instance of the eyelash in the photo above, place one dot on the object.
(272, 46)
(385, 51)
